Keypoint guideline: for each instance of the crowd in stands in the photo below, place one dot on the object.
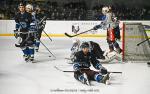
(124, 13)
(75, 11)
(69, 11)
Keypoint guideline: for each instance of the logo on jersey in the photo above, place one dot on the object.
(23, 25)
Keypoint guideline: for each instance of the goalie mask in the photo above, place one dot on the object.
(105, 10)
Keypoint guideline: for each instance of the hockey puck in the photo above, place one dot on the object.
(148, 63)
(49, 56)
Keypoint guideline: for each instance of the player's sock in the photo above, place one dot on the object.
(31, 53)
(37, 44)
(25, 53)
(98, 77)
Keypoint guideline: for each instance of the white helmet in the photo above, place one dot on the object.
(29, 8)
(105, 10)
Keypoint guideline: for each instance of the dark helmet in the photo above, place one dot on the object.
(85, 45)
(37, 8)
(21, 4)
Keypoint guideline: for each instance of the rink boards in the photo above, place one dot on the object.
(58, 28)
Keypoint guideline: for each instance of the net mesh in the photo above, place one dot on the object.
(134, 33)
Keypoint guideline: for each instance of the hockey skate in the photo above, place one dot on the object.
(85, 80)
(31, 59)
(105, 79)
(26, 58)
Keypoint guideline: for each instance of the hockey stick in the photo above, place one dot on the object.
(21, 44)
(43, 19)
(108, 72)
(78, 33)
(47, 35)
(74, 71)
(143, 41)
(47, 48)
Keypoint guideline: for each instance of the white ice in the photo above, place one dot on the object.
(19, 77)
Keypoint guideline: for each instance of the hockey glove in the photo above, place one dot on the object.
(16, 33)
(103, 70)
(76, 66)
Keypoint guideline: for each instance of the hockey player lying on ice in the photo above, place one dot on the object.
(82, 62)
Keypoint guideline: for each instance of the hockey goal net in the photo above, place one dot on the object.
(133, 34)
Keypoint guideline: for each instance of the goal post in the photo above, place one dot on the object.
(133, 34)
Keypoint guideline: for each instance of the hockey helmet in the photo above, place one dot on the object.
(84, 45)
(37, 8)
(29, 8)
(21, 4)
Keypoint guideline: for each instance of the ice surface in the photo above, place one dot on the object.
(19, 77)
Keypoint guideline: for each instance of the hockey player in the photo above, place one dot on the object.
(33, 27)
(40, 25)
(82, 62)
(112, 26)
(23, 21)
(96, 50)
(93, 47)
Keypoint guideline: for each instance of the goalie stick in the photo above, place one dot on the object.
(74, 71)
(77, 34)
